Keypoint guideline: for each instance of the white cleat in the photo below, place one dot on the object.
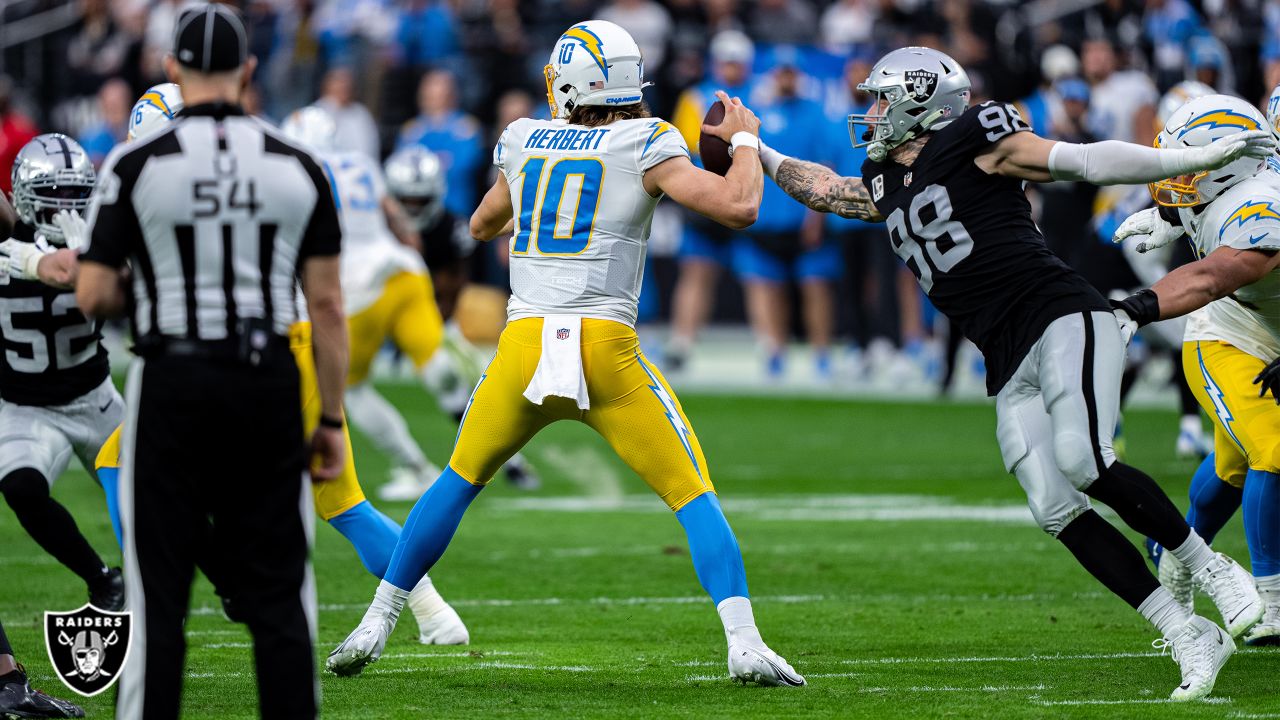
(761, 665)
(1200, 648)
(1233, 591)
(363, 646)
(1267, 631)
(1175, 577)
(443, 627)
(406, 485)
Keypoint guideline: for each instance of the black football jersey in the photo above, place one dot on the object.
(52, 354)
(969, 239)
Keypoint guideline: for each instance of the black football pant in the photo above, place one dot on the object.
(212, 473)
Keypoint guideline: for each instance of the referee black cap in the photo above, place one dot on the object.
(210, 38)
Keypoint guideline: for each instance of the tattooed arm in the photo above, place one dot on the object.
(822, 189)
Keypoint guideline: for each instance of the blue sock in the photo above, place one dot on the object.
(716, 558)
(109, 478)
(373, 535)
(430, 527)
(1213, 502)
(1262, 521)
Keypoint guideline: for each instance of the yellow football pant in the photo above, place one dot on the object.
(407, 313)
(332, 497)
(632, 407)
(1246, 427)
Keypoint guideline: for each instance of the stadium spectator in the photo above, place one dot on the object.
(115, 100)
(16, 130)
(99, 50)
(450, 133)
(1170, 25)
(355, 129)
(647, 21)
(1042, 109)
(426, 35)
(784, 21)
(158, 36)
(846, 23)
(785, 244)
(1123, 102)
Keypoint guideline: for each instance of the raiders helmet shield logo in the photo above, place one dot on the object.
(922, 83)
(88, 647)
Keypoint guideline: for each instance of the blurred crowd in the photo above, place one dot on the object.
(450, 74)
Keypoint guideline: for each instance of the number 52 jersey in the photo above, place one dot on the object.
(582, 215)
(971, 242)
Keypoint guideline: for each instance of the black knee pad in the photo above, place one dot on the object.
(24, 484)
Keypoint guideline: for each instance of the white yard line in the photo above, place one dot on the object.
(950, 688)
(477, 654)
(587, 469)
(1142, 701)
(996, 659)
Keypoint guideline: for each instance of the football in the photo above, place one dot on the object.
(713, 150)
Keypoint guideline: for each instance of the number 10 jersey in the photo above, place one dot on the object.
(969, 239)
(582, 215)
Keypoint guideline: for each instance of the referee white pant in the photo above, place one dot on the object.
(1056, 417)
(213, 475)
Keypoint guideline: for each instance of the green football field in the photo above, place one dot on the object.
(890, 558)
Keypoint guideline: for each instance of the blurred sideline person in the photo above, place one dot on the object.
(706, 247)
(55, 383)
(341, 501)
(1232, 344)
(949, 181)
(223, 202)
(786, 244)
(388, 297)
(17, 697)
(570, 351)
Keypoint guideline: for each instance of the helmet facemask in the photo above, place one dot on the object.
(39, 199)
(915, 90)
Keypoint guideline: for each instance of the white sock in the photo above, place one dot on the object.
(385, 426)
(1269, 584)
(425, 600)
(1191, 424)
(1164, 612)
(739, 621)
(388, 600)
(1194, 553)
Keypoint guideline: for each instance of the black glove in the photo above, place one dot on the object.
(1143, 307)
(1269, 379)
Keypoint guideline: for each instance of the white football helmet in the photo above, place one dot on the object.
(1196, 124)
(154, 110)
(593, 63)
(415, 177)
(922, 89)
(312, 126)
(1273, 110)
(1176, 97)
(50, 174)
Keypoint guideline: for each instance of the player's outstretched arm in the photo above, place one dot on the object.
(1027, 156)
(494, 215)
(1196, 284)
(819, 187)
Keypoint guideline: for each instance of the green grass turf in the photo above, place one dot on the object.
(592, 613)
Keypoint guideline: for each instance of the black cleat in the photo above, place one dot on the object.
(108, 592)
(19, 699)
(521, 474)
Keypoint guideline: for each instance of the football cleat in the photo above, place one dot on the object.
(19, 699)
(1267, 631)
(107, 593)
(520, 473)
(1200, 648)
(443, 627)
(1177, 580)
(1233, 591)
(761, 665)
(407, 485)
(363, 646)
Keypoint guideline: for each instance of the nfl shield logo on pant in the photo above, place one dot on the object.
(562, 334)
(88, 647)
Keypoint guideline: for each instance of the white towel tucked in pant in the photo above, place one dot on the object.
(560, 365)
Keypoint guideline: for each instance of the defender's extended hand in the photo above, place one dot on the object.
(1259, 144)
(23, 258)
(75, 231)
(1151, 230)
(1269, 379)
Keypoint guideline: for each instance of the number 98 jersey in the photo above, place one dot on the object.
(582, 215)
(969, 238)
(52, 354)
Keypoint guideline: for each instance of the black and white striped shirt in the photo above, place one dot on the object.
(216, 214)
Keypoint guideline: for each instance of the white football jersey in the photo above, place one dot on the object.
(1245, 217)
(582, 215)
(371, 254)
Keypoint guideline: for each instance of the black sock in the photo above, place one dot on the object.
(1109, 557)
(1140, 503)
(50, 525)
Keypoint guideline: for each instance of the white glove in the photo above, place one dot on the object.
(22, 258)
(75, 231)
(1149, 229)
(1128, 326)
(1259, 144)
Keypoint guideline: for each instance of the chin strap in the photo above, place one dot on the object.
(879, 151)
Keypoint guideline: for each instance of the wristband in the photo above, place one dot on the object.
(1143, 306)
(743, 138)
(771, 159)
(332, 423)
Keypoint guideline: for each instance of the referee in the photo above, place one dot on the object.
(201, 231)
